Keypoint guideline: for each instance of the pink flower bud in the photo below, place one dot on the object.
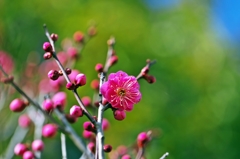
(47, 55)
(37, 145)
(86, 101)
(68, 71)
(72, 52)
(105, 124)
(73, 75)
(48, 105)
(150, 79)
(59, 99)
(70, 86)
(54, 37)
(47, 47)
(19, 149)
(113, 60)
(122, 150)
(142, 139)
(24, 121)
(28, 155)
(70, 118)
(91, 146)
(107, 148)
(80, 79)
(119, 115)
(145, 70)
(95, 84)
(126, 157)
(53, 74)
(104, 101)
(76, 111)
(88, 126)
(49, 130)
(78, 36)
(99, 67)
(87, 134)
(17, 105)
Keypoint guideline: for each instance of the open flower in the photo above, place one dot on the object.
(121, 91)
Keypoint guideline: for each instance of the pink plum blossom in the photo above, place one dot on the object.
(121, 91)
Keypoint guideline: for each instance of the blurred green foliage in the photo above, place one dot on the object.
(195, 101)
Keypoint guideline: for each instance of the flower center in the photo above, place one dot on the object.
(121, 92)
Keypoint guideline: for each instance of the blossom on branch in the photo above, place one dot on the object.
(121, 91)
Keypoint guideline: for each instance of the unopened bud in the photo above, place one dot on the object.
(142, 139)
(72, 52)
(54, 37)
(80, 79)
(70, 86)
(91, 146)
(47, 47)
(49, 130)
(76, 111)
(92, 31)
(53, 74)
(119, 115)
(145, 70)
(150, 79)
(126, 157)
(88, 126)
(59, 99)
(88, 134)
(105, 124)
(19, 149)
(95, 84)
(47, 55)
(47, 105)
(28, 155)
(107, 148)
(24, 121)
(7, 80)
(99, 67)
(68, 71)
(78, 36)
(86, 101)
(17, 105)
(70, 118)
(113, 60)
(37, 145)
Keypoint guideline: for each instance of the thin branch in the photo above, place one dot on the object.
(148, 65)
(165, 155)
(38, 119)
(17, 137)
(73, 135)
(67, 78)
(36, 105)
(100, 135)
(67, 127)
(63, 146)
(140, 153)
(109, 54)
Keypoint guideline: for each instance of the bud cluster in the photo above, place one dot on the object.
(117, 91)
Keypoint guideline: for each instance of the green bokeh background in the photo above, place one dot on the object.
(195, 101)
